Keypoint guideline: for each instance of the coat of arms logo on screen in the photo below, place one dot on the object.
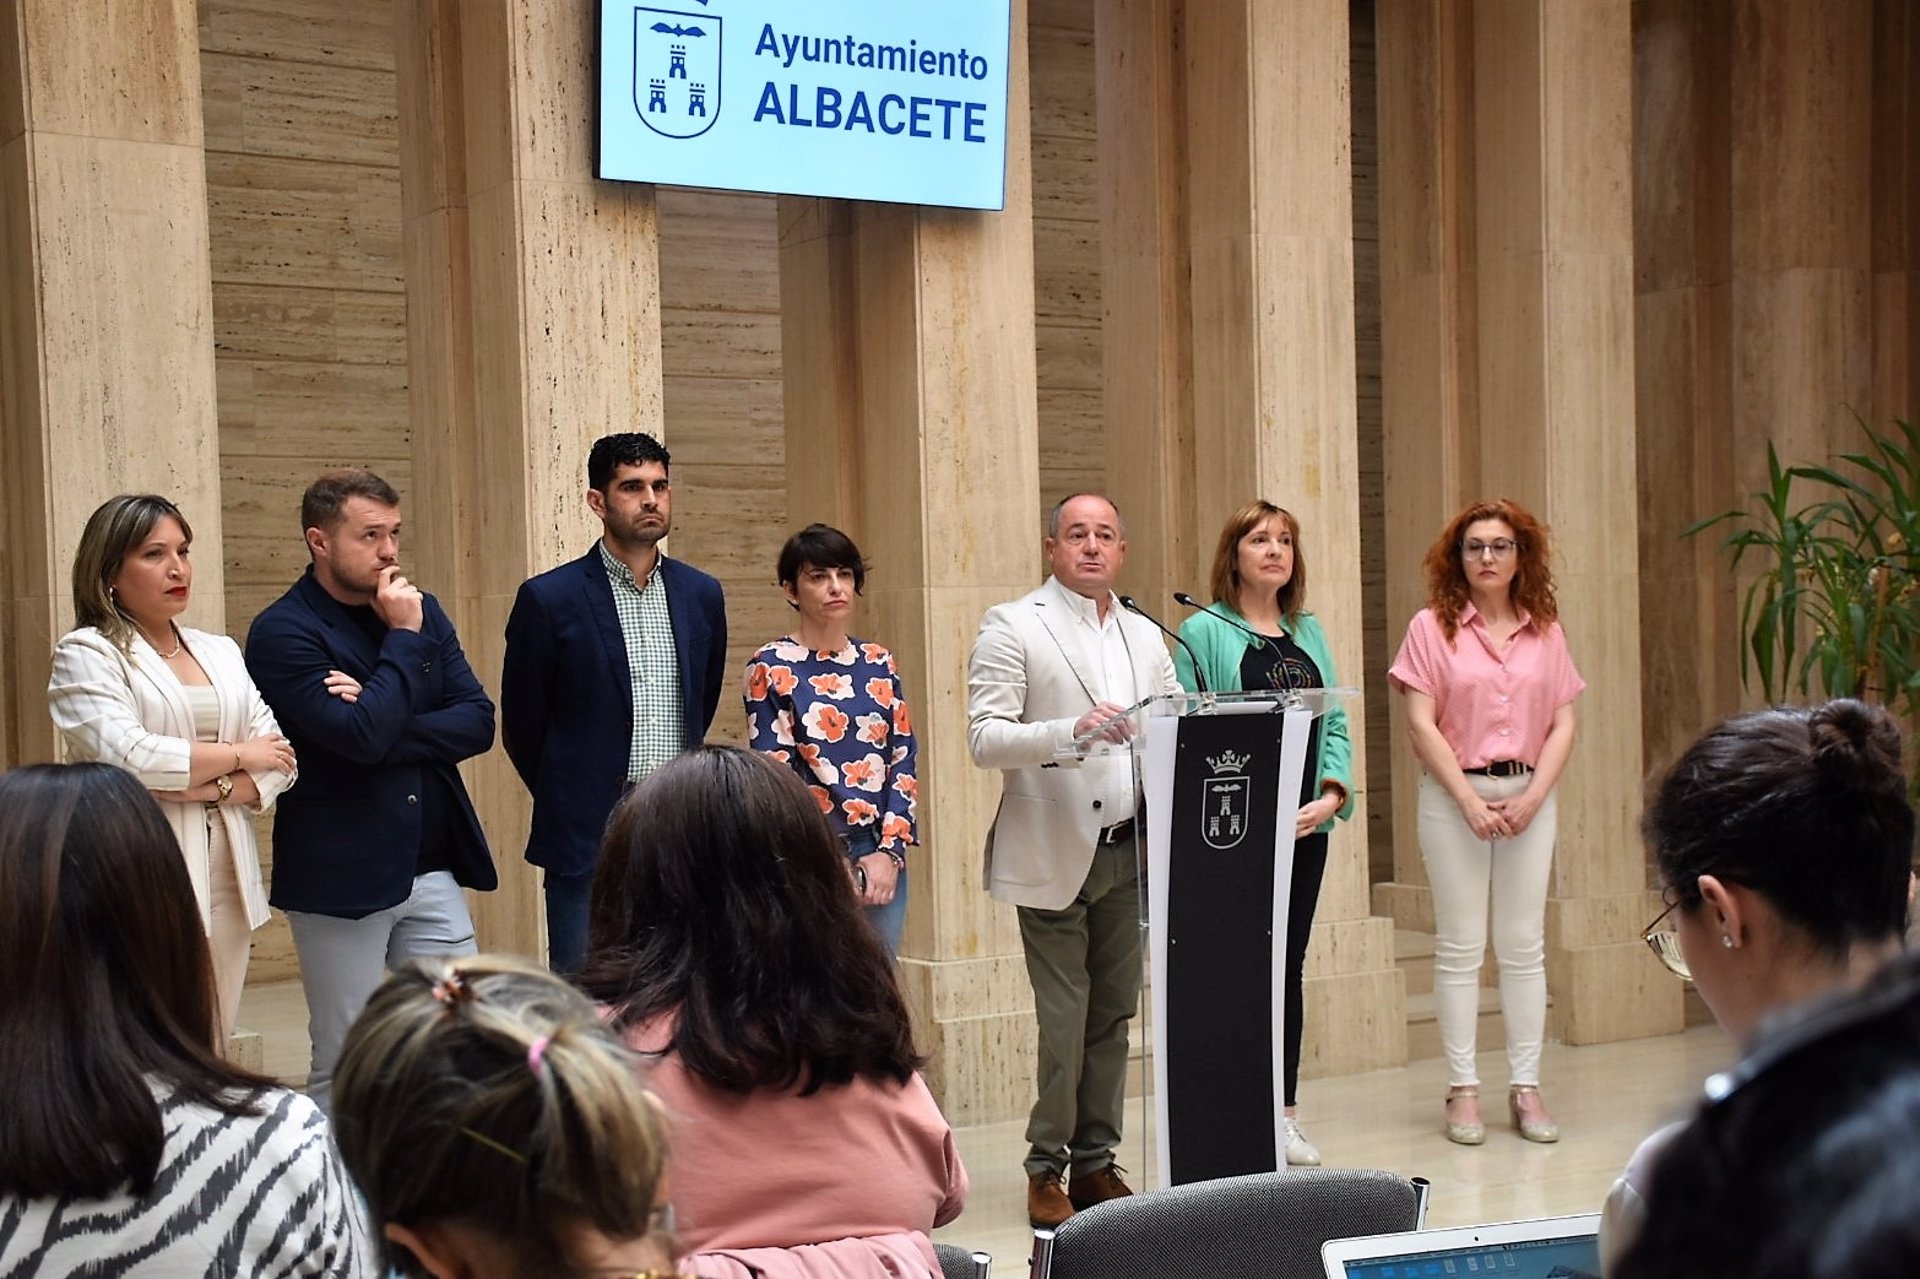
(1224, 811)
(676, 71)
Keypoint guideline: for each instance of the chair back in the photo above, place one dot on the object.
(1269, 1225)
(962, 1263)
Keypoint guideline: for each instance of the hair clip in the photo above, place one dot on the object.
(453, 989)
(535, 1052)
(493, 1145)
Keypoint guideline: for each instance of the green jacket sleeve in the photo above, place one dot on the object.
(1335, 762)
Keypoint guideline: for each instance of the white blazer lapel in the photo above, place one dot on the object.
(1056, 615)
(155, 686)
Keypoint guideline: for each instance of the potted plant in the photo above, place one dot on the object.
(1833, 612)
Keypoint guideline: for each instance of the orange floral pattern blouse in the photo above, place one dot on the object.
(839, 720)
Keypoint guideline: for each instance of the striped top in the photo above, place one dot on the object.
(235, 1195)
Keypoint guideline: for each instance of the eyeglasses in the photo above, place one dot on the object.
(1665, 944)
(1500, 548)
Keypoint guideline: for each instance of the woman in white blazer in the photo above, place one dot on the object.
(176, 708)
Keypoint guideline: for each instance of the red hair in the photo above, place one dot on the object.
(1532, 586)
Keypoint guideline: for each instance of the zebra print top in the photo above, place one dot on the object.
(235, 1195)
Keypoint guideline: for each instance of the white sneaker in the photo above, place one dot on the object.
(1300, 1152)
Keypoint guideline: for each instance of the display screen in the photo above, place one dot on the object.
(857, 99)
(1575, 1258)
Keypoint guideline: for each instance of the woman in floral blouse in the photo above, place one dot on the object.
(832, 708)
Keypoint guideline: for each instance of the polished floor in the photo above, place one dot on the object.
(1606, 1098)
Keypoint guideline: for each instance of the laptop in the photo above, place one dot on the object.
(1548, 1248)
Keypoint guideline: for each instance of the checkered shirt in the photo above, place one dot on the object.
(659, 730)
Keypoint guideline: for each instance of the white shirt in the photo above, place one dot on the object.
(1110, 776)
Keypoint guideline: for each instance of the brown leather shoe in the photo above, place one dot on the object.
(1047, 1203)
(1097, 1187)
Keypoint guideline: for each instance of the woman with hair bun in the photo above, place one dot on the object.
(725, 946)
(1489, 689)
(1784, 842)
(497, 1128)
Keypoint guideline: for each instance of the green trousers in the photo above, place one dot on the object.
(1084, 963)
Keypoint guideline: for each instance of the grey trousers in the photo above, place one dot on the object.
(343, 961)
(1084, 963)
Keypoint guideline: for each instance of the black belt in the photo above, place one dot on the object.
(1115, 833)
(1501, 768)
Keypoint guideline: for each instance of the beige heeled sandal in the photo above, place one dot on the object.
(1472, 1134)
(1544, 1130)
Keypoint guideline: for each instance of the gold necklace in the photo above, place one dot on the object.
(178, 642)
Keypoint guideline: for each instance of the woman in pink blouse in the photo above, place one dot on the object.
(1489, 690)
(832, 708)
(725, 946)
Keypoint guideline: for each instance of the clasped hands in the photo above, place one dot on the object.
(1500, 818)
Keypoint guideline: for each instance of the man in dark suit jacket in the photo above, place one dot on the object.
(365, 674)
(614, 665)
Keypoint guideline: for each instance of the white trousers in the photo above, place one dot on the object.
(1466, 873)
(231, 939)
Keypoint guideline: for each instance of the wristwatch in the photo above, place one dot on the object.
(225, 786)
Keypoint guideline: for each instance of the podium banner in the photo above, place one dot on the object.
(1220, 1103)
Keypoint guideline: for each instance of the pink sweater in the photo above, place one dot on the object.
(846, 1183)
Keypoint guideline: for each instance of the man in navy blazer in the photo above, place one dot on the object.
(365, 674)
(614, 665)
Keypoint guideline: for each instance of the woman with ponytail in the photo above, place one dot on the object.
(497, 1128)
(1784, 842)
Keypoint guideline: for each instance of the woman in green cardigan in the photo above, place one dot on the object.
(1260, 582)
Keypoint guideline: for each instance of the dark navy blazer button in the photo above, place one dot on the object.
(413, 799)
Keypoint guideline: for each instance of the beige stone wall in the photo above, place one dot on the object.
(309, 307)
(720, 360)
(1066, 250)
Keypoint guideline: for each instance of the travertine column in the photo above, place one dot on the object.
(1428, 375)
(1270, 213)
(932, 359)
(1802, 137)
(1683, 215)
(1146, 339)
(534, 328)
(1508, 292)
(1896, 212)
(1554, 239)
(106, 310)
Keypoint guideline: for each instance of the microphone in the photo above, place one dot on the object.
(1266, 641)
(1199, 676)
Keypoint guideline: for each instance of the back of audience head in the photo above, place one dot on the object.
(1789, 827)
(1808, 1163)
(722, 896)
(105, 984)
(497, 1127)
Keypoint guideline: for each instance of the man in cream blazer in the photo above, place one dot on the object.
(1046, 668)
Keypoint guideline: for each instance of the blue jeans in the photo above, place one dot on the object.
(890, 919)
(569, 898)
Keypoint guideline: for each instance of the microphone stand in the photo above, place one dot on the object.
(1199, 676)
(1289, 695)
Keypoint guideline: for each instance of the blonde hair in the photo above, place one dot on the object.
(487, 1091)
(116, 526)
